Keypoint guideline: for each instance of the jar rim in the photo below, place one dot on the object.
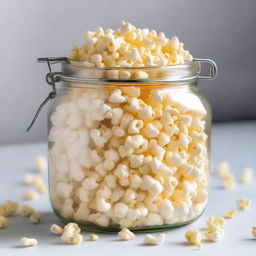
(76, 71)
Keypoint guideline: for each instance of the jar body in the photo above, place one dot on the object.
(125, 155)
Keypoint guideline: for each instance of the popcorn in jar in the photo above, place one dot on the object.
(128, 132)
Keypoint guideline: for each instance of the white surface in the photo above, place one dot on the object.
(233, 142)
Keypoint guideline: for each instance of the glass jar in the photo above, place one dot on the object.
(129, 152)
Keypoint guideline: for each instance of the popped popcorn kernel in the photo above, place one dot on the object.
(254, 232)
(3, 222)
(93, 237)
(26, 242)
(126, 235)
(36, 218)
(223, 169)
(216, 221)
(30, 195)
(40, 164)
(243, 203)
(246, 175)
(229, 214)
(214, 228)
(26, 211)
(194, 236)
(57, 230)
(71, 234)
(9, 208)
(154, 240)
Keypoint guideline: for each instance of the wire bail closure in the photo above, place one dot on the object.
(51, 80)
(213, 68)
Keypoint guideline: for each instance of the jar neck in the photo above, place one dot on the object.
(193, 84)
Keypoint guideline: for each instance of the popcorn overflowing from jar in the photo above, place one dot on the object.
(131, 154)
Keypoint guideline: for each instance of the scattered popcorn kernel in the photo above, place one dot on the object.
(216, 222)
(243, 203)
(214, 228)
(3, 222)
(223, 169)
(71, 234)
(214, 235)
(154, 240)
(126, 235)
(246, 175)
(254, 232)
(26, 211)
(57, 230)
(35, 218)
(28, 179)
(93, 237)
(40, 164)
(194, 236)
(229, 182)
(41, 188)
(26, 242)
(229, 214)
(9, 208)
(30, 195)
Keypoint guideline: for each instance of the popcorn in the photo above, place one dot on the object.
(3, 222)
(55, 229)
(158, 50)
(214, 235)
(121, 171)
(136, 160)
(117, 114)
(27, 211)
(71, 234)
(26, 242)
(156, 150)
(163, 139)
(97, 139)
(127, 156)
(30, 195)
(141, 75)
(120, 210)
(35, 218)
(246, 175)
(151, 131)
(9, 208)
(93, 237)
(154, 240)
(126, 235)
(40, 164)
(135, 126)
(116, 97)
(194, 236)
(223, 169)
(214, 231)
(229, 214)
(254, 232)
(243, 203)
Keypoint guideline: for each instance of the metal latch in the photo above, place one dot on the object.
(51, 80)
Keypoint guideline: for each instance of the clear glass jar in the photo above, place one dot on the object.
(129, 153)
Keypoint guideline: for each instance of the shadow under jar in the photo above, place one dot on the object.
(129, 152)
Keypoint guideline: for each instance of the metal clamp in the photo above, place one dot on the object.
(51, 80)
(213, 68)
